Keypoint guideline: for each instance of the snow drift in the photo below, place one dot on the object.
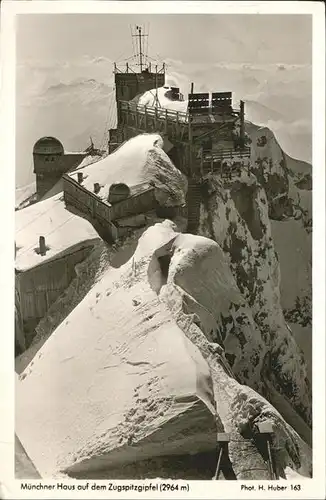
(138, 162)
(151, 382)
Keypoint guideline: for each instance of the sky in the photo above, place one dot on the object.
(189, 38)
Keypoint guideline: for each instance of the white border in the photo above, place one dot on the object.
(314, 488)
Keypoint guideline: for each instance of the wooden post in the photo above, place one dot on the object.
(155, 119)
(145, 117)
(166, 122)
(192, 88)
(136, 116)
(127, 67)
(266, 431)
(223, 440)
(242, 130)
(177, 124)
(218, 466)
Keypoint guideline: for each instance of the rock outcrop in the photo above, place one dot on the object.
(288, 183)
(257, 342)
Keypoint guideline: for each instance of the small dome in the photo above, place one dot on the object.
(118, 192)
(48, 145)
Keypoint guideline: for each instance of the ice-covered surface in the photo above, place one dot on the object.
(141, 160)
(151, 374)
(63, 231)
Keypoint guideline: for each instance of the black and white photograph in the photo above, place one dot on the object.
(163, 269)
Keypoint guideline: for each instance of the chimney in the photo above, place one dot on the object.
(42, 245)
(80, 177)
(96, 187)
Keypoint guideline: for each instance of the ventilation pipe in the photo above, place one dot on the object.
(42, 247)
(80, 177)
(192, 88)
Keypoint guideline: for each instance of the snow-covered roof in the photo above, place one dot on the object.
(138, 162)
(49, 218)
(149, 99)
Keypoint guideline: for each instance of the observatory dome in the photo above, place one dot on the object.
(48, 145)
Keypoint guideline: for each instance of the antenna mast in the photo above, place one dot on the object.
(139, 35)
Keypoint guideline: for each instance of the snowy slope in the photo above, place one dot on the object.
(139, 161)
(150, 379)
(136, 374)
(62, 231)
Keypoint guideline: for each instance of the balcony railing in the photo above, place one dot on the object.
(225, 154)
(171, 114)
